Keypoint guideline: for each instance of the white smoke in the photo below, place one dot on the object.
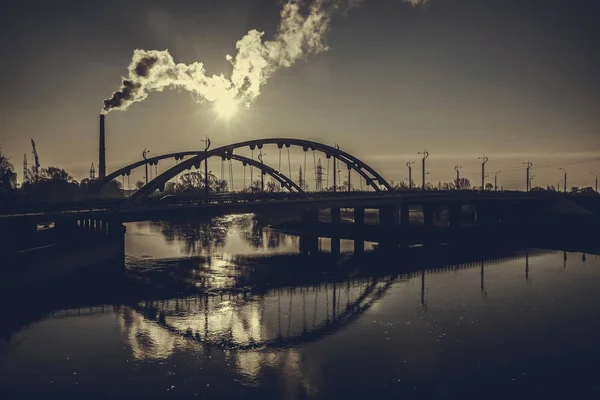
(301, 32)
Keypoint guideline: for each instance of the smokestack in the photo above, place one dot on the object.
(102, 152)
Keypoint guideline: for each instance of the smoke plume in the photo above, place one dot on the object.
(301, 32)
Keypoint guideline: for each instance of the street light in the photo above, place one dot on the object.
(565, 179)
(595, 175)
(496, 180)
(409, 165)
(335, 168)
(144, 155)
(262, 174)
(206, 142)
(529, 165)
(425, 154)
(484, 161)
(457, 169)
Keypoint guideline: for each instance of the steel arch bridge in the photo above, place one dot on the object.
(279, 177)
(372, 178)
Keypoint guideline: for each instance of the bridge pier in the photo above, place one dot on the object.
(454, 215)
(336, 247)
(359, 221)
(309, 241)
(405, 214)
(427, 214)
(487, 213)
(335, 216)
(388, 218)
(388, 215)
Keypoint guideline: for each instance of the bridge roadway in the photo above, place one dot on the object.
(273, 202)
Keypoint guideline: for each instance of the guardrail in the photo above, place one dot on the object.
(224, 198)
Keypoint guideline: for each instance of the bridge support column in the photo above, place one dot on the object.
(405, 214)
(335, 245)
(309, 241)
(487, 213)
(359, 221)
(388, 216)
(335, 216)
(116, 233)
(427, 214)
(359, 216)
(388, 219)
(335, 225)
(454, 215)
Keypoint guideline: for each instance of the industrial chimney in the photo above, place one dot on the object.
(102, 153)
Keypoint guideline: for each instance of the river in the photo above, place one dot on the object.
(228, 308)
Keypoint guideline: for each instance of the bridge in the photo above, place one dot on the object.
(102, 220)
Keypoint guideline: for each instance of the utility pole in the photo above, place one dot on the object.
(484, 161)
(496, 180)
(457, 169)
(144, 155)
(206, 142)
(565, 180)
(410, 181)
(596, 176)
(349, 169)
(529, 165)
(319, 180)
(425, 154)
(25, 169)
(335, 171)
(262, 173)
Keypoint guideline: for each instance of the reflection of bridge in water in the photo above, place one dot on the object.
(285, 317)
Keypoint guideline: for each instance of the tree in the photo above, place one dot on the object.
(489, 186)
(399, 185)
(139, 185)
(220, 186)
(55, 174)
(254, 187)
(7, 177)
(344, 187)
(448, 185)
(463, 183)
(272, 187)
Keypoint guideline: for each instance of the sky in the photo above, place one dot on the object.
(514, 80)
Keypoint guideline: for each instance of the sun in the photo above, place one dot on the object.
(226, 107)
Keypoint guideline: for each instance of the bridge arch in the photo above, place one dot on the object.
(371, 176)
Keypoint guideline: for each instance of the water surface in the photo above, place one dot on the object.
(521, 323)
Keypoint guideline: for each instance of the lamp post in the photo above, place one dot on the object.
(527, 182)
(425, 154)
(496, 180)
(564, 180)
(262, 174)
(144, 155)
(457, 169)
(484, 161)
(206, 142)
(409, 165)
(596, 176)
